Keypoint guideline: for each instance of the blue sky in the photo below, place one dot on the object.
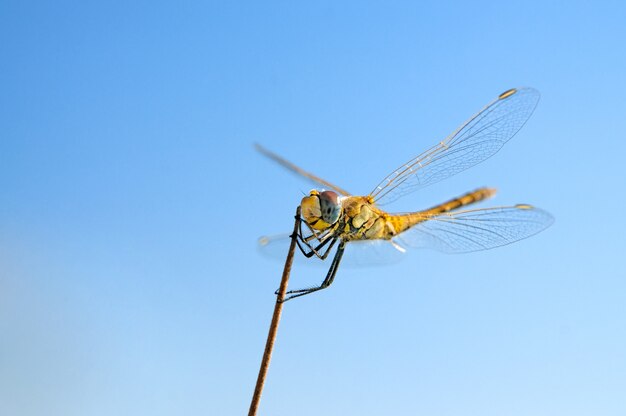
(132, 199)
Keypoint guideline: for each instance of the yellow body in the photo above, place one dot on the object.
(361, 219)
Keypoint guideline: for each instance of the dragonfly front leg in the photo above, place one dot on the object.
(330, 276)
(314, 233)
(324, 238)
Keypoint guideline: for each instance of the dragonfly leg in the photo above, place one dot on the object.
(316, 250)
(323, 239)
(332, 243)
(330, 276)
(314, 233)
(300, 239)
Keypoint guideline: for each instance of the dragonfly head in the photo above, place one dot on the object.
(321, 209)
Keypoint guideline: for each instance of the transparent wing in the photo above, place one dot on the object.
(476, 229)
(358, 253)
(295, 169)
(476, 140)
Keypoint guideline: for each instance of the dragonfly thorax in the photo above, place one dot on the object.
(321, 209)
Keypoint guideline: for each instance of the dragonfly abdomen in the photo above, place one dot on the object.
(403, 222)
(467, 199)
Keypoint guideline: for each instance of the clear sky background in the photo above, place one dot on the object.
(131, 199)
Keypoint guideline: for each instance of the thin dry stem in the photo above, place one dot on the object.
(271, 336)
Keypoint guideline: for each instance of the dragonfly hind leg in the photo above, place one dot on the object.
(314, 250)
(328, 280)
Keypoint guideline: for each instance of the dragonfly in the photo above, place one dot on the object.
(331, 216)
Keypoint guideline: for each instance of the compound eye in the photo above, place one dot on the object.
(330, 206)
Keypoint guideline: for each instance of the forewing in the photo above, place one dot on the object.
(476, 140)
(299, 171)
(477, 229)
